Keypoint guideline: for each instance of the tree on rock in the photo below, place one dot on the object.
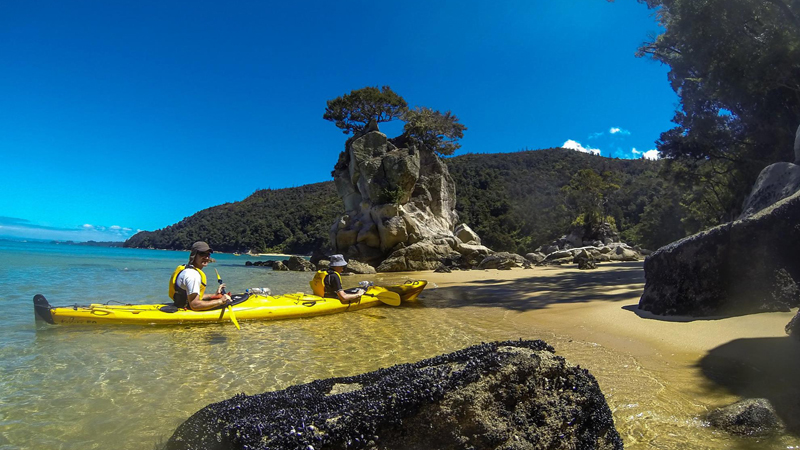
(432, 130)
(353, 112)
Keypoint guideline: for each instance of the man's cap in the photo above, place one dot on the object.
(201, 247)
(337, 261)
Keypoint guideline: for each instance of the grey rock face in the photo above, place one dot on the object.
(354, 266)
(741, 267)
(777, 181)
(466, 235)
(509, 395)
(503, 260)
(400, 207)
(797, 146)
(751, 417)
(299, 264)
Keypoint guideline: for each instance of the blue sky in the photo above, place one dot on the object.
(125, 116)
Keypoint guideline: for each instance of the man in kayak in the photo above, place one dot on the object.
(333, 282)
(188, 283)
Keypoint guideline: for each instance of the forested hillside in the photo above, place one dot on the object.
(514, 201)
(291, 220)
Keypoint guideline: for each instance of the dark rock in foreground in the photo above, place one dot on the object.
(751, 417)
(509, 395)
(746, 266)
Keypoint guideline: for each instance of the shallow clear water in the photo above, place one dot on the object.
(129, 387)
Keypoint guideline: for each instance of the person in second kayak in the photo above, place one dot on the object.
(333, 282)
(187, 285)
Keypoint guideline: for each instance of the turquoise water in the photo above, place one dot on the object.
(129, 387)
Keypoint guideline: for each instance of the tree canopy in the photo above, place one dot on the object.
(427, 129)
(432, 130)
(353, 112)
(735, 64)
(589, 192)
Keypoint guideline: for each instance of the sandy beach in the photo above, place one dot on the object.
(711, 361)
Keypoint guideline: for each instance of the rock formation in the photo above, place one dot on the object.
(399, 207)
(749, 417)
(741, 267)
(509, 395)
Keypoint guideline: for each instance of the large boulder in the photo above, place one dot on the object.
(746, 266)
(423, 255)
(749, 417)
(465, 234)
(299, 264)
(775, 182)
(503, 260)
(509, 395)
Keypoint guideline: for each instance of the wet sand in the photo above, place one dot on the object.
(718, 360)
(601, 306)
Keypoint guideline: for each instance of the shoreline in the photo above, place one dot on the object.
(558, 298)
(668, 371)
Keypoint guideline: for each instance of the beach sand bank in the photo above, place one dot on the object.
(653, 369)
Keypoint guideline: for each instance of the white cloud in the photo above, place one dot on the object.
(617, 130)
(650, 154)
(23, 229)
(574, 145)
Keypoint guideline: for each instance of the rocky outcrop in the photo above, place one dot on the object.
(775, 182)
(585, 236)
(396, 198)
(509, 395)
(535, 257)
(750, 417)
(612, 252)
(504, 261)
(746, 266)
(298, 264)
(741, 267)
(360, 268)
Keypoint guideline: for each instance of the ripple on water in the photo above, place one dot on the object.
(128, 387)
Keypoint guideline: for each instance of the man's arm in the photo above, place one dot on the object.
(207, 302)
(344, 297)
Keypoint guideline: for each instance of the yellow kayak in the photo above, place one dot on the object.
(245, 307)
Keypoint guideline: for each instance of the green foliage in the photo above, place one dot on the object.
(352, 112)
(589, 192)
(426, 128)
(293, 220)
(433, 131)
(515, 201)
(391, 195)
(588, 219)
(735, 64)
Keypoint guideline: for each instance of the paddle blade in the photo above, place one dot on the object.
(390, 298)
(233, 317)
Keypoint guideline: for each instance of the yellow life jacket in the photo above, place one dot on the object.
(318, 282)
(178, 294)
